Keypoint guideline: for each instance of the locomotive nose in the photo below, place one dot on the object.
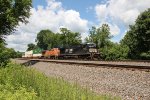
(93, 50)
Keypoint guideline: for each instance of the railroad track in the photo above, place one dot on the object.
(140, 65)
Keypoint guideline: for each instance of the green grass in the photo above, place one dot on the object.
(22, 83)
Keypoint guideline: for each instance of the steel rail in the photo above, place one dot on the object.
(92, 64)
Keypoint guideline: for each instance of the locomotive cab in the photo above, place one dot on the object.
(92, 50)
(91, 47)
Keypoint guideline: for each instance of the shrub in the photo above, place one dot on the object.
(4, 55)
(9, 92)
(114, 52)
(145, 55)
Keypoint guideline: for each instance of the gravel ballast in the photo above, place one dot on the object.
(128, 84)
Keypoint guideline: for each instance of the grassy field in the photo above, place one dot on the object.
(24, 83)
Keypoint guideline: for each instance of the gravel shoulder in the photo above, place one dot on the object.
(128, 84)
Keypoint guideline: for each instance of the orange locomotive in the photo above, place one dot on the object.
(53, 53)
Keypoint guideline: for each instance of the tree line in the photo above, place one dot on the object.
(134, 45)
(46, 39)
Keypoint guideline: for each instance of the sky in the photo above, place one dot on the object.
(78, 16)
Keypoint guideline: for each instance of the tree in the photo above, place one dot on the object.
(18, 54)
(5, 54)
(11, 13)
(31, 46)
(103, 36)
(44, 39)
(100, 36)
(4, 57)
(70, 38)
(47, 39)
(92, 37)
(138, 36)
(57, 41)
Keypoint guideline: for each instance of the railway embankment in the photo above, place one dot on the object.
(128, 84)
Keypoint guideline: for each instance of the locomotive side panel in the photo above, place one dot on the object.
(84, 51)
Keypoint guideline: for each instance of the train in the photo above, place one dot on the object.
(82, 51)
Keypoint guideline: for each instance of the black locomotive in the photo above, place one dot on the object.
(82, 51)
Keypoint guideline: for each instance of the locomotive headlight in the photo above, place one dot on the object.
(92, 50)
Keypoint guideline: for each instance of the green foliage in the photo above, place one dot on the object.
(12, 53)
(6, 54)
(70, 38)
(46, 39)
(138, 36)
(9, 92)
(109, 50)
(17, 81)
(114, 52)
(11, 13)
(18, 54)
(92, 36)
(31, 46)
(100, 36)
(145, 55)
(103, 36)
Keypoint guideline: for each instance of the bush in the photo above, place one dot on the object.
(6, 54)
(9, 92)
(114, 52)
(145, 56)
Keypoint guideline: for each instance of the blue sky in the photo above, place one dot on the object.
(81, 6)
(79, 16)
(85, 8)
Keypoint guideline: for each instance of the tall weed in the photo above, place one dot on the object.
(23, 83)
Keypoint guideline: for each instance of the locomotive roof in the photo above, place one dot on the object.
(90, 43)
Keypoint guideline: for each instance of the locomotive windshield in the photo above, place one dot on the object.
(91, 45)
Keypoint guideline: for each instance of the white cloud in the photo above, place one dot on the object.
(101, 11)
(120, 12)
(122, 9)
(52, 5)
(114, 29)
(52, 17)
